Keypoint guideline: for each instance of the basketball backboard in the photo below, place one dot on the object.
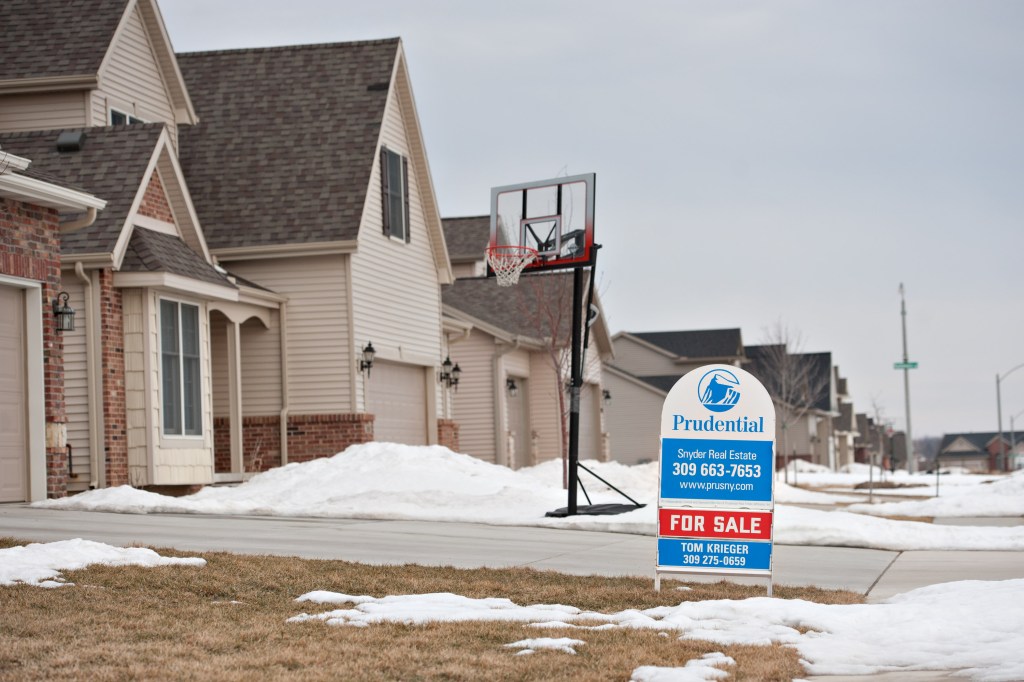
(555, 217)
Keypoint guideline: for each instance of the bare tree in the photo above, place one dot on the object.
(796, 381)
(546, 305)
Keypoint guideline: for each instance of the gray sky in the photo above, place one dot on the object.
(756, 162)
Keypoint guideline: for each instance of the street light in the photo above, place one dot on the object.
(999, 410)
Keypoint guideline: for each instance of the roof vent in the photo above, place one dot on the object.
(71, 141)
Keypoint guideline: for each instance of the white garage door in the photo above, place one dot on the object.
(396, 395)
(13, 405)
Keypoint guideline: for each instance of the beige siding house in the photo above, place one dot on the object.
(358, 264)
(179, 372)
(512, 346)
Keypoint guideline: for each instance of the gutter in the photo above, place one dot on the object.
(283, 319)
(95, 445)
(85, 221)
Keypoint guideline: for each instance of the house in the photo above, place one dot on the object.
(310, 177)
(646, 366)
(265, 224)
(512, 345)
(980, 451)
(34, 208)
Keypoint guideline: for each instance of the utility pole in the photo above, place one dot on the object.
(906, 367)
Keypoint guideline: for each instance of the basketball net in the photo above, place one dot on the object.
(507, 262)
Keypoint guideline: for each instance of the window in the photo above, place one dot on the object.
(179, 355)
(394, 174)
(120, 118)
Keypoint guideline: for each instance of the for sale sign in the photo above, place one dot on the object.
(717, 471)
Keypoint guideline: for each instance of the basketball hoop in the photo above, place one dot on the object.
(507, 262)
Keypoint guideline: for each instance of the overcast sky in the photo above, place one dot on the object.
(756, 162)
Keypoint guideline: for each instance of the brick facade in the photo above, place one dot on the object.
(322, 435)
(261, 444)
(30, 249)
(448, 434)
(115, 435)
(154, 202)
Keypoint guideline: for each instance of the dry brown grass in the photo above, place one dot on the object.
(164, 623)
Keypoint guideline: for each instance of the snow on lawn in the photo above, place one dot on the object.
(40, 564)
(402, 482)
(1002, 497)
(969, 625)
(709, 667)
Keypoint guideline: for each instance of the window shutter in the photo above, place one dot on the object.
(384, 190)
(405, 194)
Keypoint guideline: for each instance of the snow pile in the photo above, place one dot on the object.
(708, 667)
(529, 646)
(41, 564)
(410, 483)
(970, 625)
(1003, 497)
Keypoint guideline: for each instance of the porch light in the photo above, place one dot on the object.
(367, 362)
(510, 384)
(606, 395)
(63, 313)
(450, 374)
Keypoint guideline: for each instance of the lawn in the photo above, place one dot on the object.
(227, 621)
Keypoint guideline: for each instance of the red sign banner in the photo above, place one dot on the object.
(715, 523)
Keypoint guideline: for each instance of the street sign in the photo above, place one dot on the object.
(717, 472)
(905, 365)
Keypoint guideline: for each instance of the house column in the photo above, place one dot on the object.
(234, 334)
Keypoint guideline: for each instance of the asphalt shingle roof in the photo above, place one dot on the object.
(48, 38)
(704, 343)
(980, 440)
(151, 251)
(820, 372)
(534, 307)
(286, 139)
(467, 238)
(110, 165)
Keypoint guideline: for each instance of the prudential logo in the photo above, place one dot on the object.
(719, 390)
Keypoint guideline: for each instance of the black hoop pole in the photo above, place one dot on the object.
(576, 381)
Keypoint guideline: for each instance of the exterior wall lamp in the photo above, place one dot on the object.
(63, 313)
(513, 389)
(366, 364)
(606, 395)
(450, 374)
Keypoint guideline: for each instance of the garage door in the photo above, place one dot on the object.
(397, 397)
(13, 405)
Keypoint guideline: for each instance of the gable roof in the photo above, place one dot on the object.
(56, 38)
(819, 372)
(306, 118)
(52, 45)
(467, 237)
(151, 251)
(539, 307)
(111, 165)
(978, 440)
(704, 343)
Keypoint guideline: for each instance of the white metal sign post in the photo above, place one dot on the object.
(716, 499)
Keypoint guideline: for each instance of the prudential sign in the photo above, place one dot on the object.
(717, 467)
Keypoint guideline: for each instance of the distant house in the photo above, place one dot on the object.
(269, 216)
(981, 451)
(646, 366)
(512, 346)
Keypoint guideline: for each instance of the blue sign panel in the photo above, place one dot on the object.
(721, 470)
(705, 554)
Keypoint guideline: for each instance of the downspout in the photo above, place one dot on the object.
(95, 444)
(85, 221)
(283, 318)
(500, 427)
